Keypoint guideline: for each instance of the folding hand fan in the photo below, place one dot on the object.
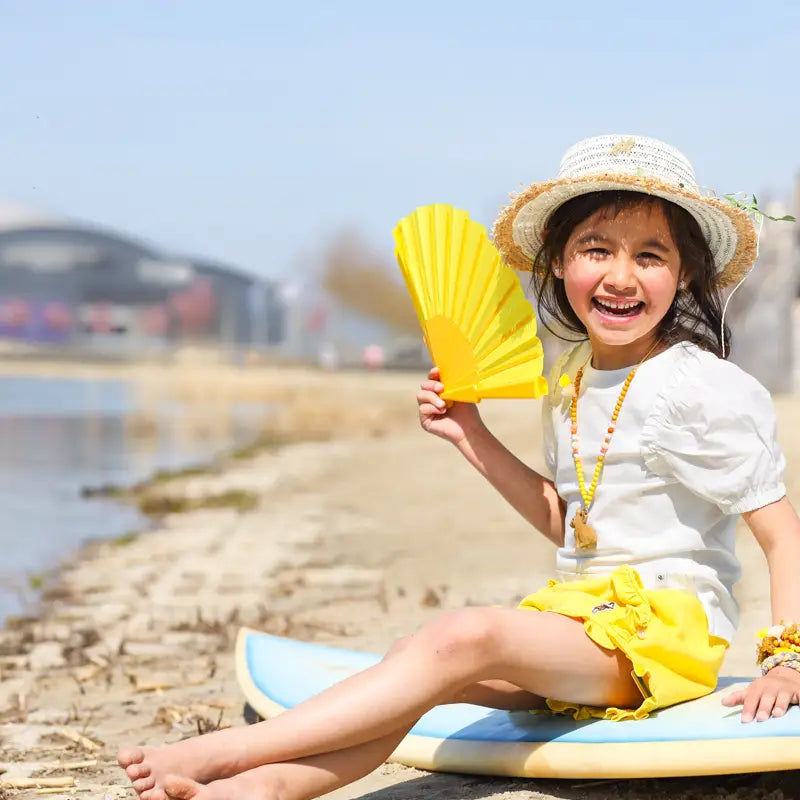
(479, 328)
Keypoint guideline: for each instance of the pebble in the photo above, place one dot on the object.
(46, 655)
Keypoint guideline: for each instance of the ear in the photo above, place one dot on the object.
(557, 269)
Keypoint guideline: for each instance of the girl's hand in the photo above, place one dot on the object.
(448, 420)
(768, 696)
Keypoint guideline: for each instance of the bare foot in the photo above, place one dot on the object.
(146, 767)
(247, 786)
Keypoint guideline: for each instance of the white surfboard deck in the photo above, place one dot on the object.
(701, 737)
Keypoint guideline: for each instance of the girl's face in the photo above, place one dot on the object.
(621, 275)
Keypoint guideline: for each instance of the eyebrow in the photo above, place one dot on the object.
(655, 244)
(592, 237)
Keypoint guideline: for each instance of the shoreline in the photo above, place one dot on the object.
(142, 495)
(354, 542)
(291, 418)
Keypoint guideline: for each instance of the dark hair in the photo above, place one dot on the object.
(695, 315)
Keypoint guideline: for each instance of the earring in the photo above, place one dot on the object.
(558, 272)
(682, 285)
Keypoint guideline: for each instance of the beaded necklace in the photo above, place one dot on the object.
(585, 535)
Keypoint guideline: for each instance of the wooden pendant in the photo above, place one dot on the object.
(585, 536)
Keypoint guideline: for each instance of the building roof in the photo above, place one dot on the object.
(20, 215)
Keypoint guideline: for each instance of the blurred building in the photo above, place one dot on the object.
(64, 283)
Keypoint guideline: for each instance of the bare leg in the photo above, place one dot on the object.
(303, 779)
(546, 654)
(492, 694)
(314, 776)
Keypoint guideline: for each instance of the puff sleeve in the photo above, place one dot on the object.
(549, 406)
(549, 444)
(714, 430)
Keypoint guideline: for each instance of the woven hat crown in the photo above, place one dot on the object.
(628, 155)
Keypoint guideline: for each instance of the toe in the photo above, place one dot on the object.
(154, 794)
(130, 755)
(180, 788)
(144, 784)
(137, 771)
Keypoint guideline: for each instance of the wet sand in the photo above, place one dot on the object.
(354, 542)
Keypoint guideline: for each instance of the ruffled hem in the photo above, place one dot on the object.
(613, 714)
(758, 499)
(628, 593)
(629, 589)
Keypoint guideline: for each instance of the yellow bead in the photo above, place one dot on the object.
(588, 495)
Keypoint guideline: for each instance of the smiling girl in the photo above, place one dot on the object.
(654, 445)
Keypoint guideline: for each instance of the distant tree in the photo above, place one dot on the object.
(363, 282)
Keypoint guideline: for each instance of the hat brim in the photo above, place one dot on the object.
(729, 231)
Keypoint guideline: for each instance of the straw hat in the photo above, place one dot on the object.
(630, 163)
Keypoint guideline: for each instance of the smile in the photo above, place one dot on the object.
(617, 309)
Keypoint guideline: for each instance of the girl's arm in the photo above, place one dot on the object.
(460, 424)
(777, 529)
(532, 495)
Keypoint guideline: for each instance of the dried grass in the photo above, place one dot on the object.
(364, 283)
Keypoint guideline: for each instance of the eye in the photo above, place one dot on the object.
(651, 258)
(597, 252)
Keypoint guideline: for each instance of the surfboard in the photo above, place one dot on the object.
(701, 737)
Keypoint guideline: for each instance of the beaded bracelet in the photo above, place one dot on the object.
(791, 660)
(778, 639)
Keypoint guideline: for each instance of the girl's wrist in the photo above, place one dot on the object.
(782, 671)
(475, 434)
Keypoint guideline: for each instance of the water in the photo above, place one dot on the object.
(58, 436)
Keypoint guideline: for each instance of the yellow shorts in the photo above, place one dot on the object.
(664, 633)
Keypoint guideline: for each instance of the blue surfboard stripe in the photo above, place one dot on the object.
(289, 671)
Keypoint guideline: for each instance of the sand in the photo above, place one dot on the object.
(354, 542)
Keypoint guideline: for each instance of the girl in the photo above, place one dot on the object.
(654, 445)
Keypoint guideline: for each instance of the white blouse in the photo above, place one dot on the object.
(694, 446)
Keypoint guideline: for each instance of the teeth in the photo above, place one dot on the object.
(617, 304)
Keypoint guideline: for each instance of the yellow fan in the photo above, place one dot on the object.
(479, 327)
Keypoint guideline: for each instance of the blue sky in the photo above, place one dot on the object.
(253, 132)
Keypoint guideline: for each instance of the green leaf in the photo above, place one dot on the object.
(752, 207)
